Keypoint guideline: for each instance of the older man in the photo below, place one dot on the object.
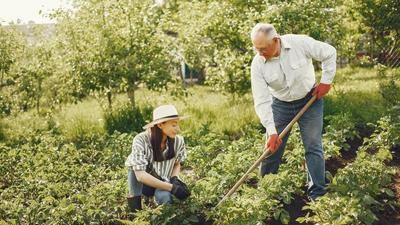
(283, 80)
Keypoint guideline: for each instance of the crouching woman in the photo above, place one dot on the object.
(155, 161)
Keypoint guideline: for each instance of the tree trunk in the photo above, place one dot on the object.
(2, 78)
(109, 99)
(131, 95)
(37, 104)
(39, 94)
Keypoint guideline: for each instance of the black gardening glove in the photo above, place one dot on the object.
(175, 180)
(180, 192)
(179, 189)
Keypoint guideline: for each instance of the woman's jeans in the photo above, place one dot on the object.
(311, 133)
(136, 189)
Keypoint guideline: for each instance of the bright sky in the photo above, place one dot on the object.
(28, 10)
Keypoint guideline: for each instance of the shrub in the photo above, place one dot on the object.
(126, 119)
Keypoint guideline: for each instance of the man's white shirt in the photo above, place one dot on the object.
(290, 76)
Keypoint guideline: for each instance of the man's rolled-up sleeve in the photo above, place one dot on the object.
(323, 52)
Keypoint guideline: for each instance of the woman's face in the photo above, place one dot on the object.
(170, 128)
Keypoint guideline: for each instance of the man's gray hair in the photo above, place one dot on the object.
(266, 28)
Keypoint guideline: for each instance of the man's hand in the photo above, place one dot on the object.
(273, 143)
(321, 90)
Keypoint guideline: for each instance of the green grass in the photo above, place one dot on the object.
(78, 120)
(15, 127)
(73, 121)
(355, 90)
(206, 108)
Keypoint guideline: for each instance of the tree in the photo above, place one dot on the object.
(381, 20)
(12, 46)
(33, 70)
(215, 35)
(116, 46)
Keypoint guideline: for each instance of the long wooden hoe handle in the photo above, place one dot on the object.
(267, 152)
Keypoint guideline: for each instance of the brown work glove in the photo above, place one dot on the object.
(273, 143)
(321, 89)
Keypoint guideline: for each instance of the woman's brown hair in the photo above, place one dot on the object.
(156, 138)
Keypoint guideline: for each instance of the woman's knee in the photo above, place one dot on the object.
(163, 197)
(134, 186)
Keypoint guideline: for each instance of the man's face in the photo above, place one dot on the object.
(266, 48)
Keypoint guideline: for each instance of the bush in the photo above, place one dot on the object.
(388, 87)
(339, 130)
(2, 135)
(5, 105)
(79, 129)
(363, 107)
(127, 119)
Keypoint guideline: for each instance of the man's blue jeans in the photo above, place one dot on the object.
(136, 189)
(311, 133)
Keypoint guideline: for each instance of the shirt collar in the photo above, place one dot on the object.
(284, 45)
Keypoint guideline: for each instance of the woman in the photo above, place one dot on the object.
(155, 161)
